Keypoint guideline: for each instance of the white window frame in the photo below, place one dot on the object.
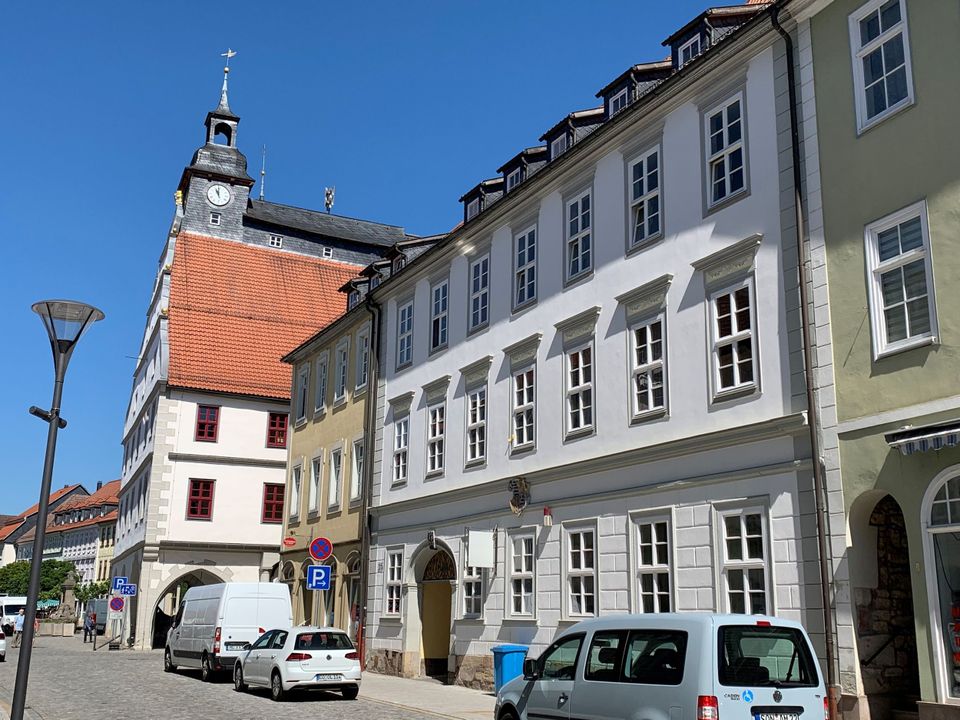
(558, 146)
(726, 151)
(362, 370)
(356, 470)
(478, 306)
(215, 218)
(320, 389)
(316, 482)
(276, 241)
(640, 203)
(393, 582)
(296, 479)
(327, 252)
(618, 102)
(876, 269)
(578, 390)
(575, 241)
(401, 450)
(303, 388)
(744, 565)
(514, 178)
(473, 208)
(734, 339)
(436, 434)
(570, 573)
(439, 315)
(648, 368)
(525, 267)
(858, 52)
(521, 575)
(341, 370)
(405, 333)
(476, 418)
(473, 587)
(335, 478)
(688, 46)
(656, 568)
(527, 409)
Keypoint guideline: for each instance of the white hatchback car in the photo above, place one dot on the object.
(300, 658)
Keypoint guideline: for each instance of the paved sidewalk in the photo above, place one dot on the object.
(428, 696)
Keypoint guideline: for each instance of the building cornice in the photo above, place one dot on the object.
(227, 460)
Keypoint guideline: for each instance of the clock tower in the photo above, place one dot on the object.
(214, 188)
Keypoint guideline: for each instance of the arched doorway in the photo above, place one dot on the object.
(436, 593)
(306, 595)
(170, 598)
(883, 600)
(353, 585)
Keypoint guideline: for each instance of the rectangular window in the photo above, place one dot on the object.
(881, 60)
(356, 477)
(473, 208)
(405, 334)
(580, 389)
(744, 562)
(352, 299)
(653, 565)
(901, 293)
(320, 399)
(725, 151)
(558, 147)
(513, 179)
(525, 271)
(277, 430)
(438, 315)
(200, 500)
(296, 477)
(765, 656)
(648, 368)
(522, 576)
(436, 422)
(276, 241)
(208, 422)
(401, 436)
(272, 503)
(524, 408)
(579, 236)
(399, 263)
(734, 353)
(477, 424)
(394, 582)
(316, 477)
(581, 573)
(215, 218)
(472, 591)
(363, 359)
(689, 50)
(645, 197)
(300, 400)
(336, 477)
(340, 372)
(480, 292)
(619, 101)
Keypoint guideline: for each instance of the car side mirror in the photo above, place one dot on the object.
(531, 669)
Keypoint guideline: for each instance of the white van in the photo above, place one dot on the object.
(10, 607)
(216, 623)
(676, 665)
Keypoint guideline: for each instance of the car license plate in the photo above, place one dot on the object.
(328, 676)
(777, 716)
(236, 645)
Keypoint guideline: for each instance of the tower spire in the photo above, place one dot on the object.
(224, 104)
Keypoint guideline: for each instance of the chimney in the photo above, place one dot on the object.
(99, 484)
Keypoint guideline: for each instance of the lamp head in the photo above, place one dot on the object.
(66, 321)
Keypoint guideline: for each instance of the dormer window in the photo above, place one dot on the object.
(473, 208)
(352, 299)
(398, 264)
(276, 241)
(374, 281)
(513, 179)
(558, 147)
(689, 50)
(618, 102)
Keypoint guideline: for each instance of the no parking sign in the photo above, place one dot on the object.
(320, 549)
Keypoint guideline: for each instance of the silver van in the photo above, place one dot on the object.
(672, 665)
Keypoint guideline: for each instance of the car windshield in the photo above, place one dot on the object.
(323, 641)
(759, 655)
(12, 609)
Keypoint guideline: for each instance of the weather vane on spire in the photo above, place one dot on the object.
(226, 71)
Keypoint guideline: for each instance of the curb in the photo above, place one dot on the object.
(407, 707)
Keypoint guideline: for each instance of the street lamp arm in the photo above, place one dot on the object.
(47, 416)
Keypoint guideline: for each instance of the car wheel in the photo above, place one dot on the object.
(206, 670)
(168, 665)
(238, 684)
(3, 658)
(508, 713)
(277, 693)
(350, 693)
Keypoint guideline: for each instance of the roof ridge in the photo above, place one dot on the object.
(321, 212)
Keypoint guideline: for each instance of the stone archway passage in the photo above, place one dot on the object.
(437, 594)
(169, 600)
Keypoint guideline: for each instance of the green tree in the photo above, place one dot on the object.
(15, 578)
(89, 591)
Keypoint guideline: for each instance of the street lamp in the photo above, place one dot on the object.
(66, 322)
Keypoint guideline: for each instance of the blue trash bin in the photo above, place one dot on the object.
(507, 663)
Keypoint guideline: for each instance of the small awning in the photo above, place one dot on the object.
(928, 437)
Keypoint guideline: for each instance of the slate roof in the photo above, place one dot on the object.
(54, 496)
(578, 117)
(642, 71)
(321, 223)
(746, 10)
(235, 309)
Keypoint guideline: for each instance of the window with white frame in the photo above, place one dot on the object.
(276, 241)
(581, 572)
(579, 236)
(405, 334)
(580, 389)
(619, 101)
(522, 576)
(525, 270)
(734, 352)
(303, 378)
(477, 424)
(313, 497)
(649, 384)
(558, 147)
(399, 263)
(327, 252)
(524, 408)
(363, 358)
(725, 151)
(401, 439)
(689, 50)
(320, 399)
(653, 564)
(472, 590)
(901, 292)
(215, 218)
(439, 297)
(336, 478)
(473, 208)
(513, 179)
(394, 582)
(356, 477)
(744, 562)
(340, 372)
(881, 60)
(479, 292)
(295, 491)
(352, 299)
(436, 422)
(645, 197)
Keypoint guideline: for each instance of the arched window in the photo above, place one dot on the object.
(943, 529)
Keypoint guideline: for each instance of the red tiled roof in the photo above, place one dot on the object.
(67, 527)
(236, 309)
(54, 496)
(7, 529)
(109, 494)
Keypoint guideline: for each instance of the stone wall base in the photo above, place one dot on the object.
(393, 662)
(938, 711)
(474, 671)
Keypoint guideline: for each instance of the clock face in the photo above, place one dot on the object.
(218, 195)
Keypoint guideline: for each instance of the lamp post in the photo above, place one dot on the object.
(66, 322)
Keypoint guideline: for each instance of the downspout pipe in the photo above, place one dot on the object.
(813, 416)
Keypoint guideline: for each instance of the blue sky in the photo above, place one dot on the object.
(402, 106)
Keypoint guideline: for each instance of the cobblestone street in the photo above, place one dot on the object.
(69, 681)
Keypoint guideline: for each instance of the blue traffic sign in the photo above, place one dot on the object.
(318, 577)
(128, 589)
(117, 582)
